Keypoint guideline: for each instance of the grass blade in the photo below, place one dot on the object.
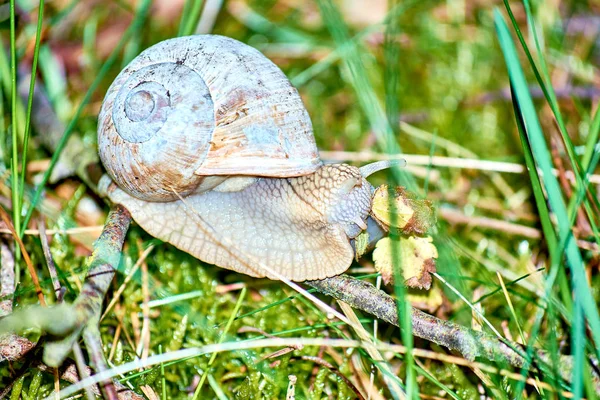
(383, 129)
(213, 356)
(191, 16)
(545, 83)
(36, 53)
(365, 93)
(537, 141)
(15, 192)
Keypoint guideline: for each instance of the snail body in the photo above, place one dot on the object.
(274, 227)
(211, 149)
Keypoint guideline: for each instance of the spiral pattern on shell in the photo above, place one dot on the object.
(199, 106)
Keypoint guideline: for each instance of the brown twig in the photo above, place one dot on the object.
(469, 343)
(458, 218)
(49, 260)
(14, 347)
(83, 373)
(80, 362)
(102, 267)
(568, 91)
(93, 345)
(366, 297)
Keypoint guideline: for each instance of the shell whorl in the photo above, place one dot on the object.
(197, 106)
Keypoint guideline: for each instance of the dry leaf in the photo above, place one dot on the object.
(406, 211)
(416, 256)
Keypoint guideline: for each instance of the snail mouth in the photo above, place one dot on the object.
(370, 169)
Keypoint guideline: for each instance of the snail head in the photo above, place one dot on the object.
(351, 203)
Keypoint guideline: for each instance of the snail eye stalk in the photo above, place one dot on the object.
(370, 169)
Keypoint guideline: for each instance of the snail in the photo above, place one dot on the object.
(210, 148)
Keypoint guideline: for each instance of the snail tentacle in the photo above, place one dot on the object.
(370, 169)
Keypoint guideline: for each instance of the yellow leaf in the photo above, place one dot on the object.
(416, 256)
(382, 258)
(405, 211)
(382, 212)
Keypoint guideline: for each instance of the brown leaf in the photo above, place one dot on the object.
(423, 281)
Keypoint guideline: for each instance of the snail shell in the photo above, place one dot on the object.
(199, 106)
(211, 149)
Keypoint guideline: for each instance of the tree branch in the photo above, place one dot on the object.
(88, 305)
(368, 298)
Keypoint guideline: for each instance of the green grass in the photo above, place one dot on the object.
(14, 165)
(456, 79)
(584, 304)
